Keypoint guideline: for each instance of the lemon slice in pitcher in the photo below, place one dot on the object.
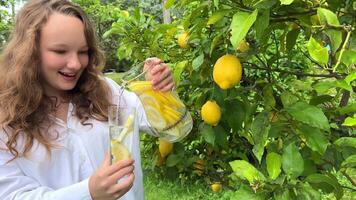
(149, 100)
(155, 118)
(174, 131)
(119, 151)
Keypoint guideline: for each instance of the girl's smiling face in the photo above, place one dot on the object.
(63, 52)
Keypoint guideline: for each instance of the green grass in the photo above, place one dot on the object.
(160, 189)
(163, 189)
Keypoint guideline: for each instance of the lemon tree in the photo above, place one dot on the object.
(286, 129)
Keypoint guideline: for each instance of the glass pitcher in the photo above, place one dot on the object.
(166, 113)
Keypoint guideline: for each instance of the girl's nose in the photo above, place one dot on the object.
(74, 62)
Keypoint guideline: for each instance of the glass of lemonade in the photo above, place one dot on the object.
(121, 125)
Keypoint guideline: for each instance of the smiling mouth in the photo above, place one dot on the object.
(69, 75)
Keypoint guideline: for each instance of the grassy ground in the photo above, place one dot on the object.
(156, 189)
(164, 189)
(160, 189)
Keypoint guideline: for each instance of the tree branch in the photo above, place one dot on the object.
(254, 66)
(348, 178)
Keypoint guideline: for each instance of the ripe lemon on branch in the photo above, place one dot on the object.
(216, 187)
(183, 40)
(165, 147)
(211, 113)
(227, 71)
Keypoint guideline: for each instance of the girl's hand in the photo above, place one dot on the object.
(159, 73)
(103, 184)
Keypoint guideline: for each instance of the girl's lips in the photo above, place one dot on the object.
(68, 76)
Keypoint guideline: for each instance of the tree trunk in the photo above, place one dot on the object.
(166, 14)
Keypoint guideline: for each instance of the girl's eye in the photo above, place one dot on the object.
(84, 52)
(59, 51)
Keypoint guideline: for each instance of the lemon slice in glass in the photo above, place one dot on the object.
(119, 151)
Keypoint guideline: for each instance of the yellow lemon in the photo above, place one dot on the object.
(183, 40)
(216, 187)
(119, 151)
(165, 147)
(244, 46)
(227, 71)
(211, 113)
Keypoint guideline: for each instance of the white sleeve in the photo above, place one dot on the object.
(15, 185)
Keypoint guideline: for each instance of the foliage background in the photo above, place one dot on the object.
(288, 129)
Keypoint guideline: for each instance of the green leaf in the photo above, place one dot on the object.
(235, 119)
(215, 17)
(214, 43)
(288, 99)
(286, 2)
(292, 161)
(221, 140)
(350, 121)
(346, 142)
(282, 195)
(169, 4)
(347, 109)
(323, 87)
(173, 160)
(349, 161)
(309, 114)
(274, 163)
(269, 100)
(208, 133)
(265, 4)
(328, 17)
(350, 77)
(317, 52)
(245, 192)
(245, 170)
(198, 61)
(178, 71)
(320, 99)
(240, 25)
(327, 183)
(315, 138)
(291, 39)
(262, 23)
(306, 192)
(260, 129)
(349, 57)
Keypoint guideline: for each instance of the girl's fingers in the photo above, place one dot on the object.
(117, 166)
(167, 87)
(107, 160)
(122, 187)
(159, 68)
(121, 173)
(168, 81)
(151, 62)
(164, 73)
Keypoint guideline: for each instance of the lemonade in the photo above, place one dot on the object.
(118, 131)
(167, 115)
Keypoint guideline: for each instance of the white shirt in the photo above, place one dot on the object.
(65, 174)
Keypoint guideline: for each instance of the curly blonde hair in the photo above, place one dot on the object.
(24, 107)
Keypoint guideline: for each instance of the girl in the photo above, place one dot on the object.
(53, 110)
